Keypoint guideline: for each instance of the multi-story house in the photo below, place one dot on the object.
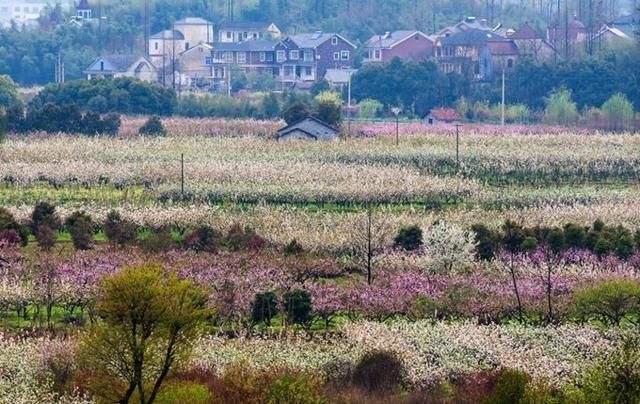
(244, 31)
(570, 38)
(305, 58)
(195, 66)
(406, 45)
(21, 12)
(532, 44)
(475, 53)
(115, 66)
(257, 56)
(184, 34)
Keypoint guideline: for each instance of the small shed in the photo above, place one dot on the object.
(439, 116)
(308, 128)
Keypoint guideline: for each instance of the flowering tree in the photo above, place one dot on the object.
(448, 247)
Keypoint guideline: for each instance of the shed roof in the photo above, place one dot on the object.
(339, 75)
(252, 45)
(193, 21)
(315, 39)
(526, 31)
(445, 114)
(311, 126)
(471, 37)
(117, 63)
(390, 39)
(169, 34)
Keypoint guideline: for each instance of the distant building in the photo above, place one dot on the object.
(440, 116)
(21, 12)
(165, 45)
(244, 31)
(115, 66)
(406, 45)
(533, 44)
(610, 38)
(339, 77)
(258, 56)
(568, 39)
(195, 66)
(465, 25)
(308, 129)
(629, 24)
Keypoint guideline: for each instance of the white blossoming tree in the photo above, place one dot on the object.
(447, 248)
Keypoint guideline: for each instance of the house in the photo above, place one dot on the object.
(164, 46)
(21, 12)
(339, 78)
(258, 56)
(475, 53)
(83, 10)
(610, 37)
(305, 58)
(440, 116)
(532, 44)
(243, 31)
(568, 39)
(629, 24)
(195, 66)
(465, 25)
(308, 128)
(115, 66)
(406, 45)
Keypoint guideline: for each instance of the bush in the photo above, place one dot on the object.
(204, 238)
(295, 113)
(264, 308)
(369, 108)
(184, 392)
(379, 371)
(246, 238)
(4, 124)
(46, 237)
(618, 111)
(44, 214)
(609, 302)
(119, 231)
(153, 127)
(293, 248)
(81, 228)
(294, 389)
(487, 242)
(9, 226)
(157, 241)
(511, 388)
(297, 305)
(409, 238)
(328, 108)
(560, 109)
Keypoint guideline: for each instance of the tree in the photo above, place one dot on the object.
(409, 238)
(513, 238)
(369, 237)
(296, 112)
(153, 127)
(44, 223)
(619, 113)
(369, 108)
(118, 230)
(609, 302)
(448, 247)
(560, 109)
(148, 320)
(4, 123)
(328, 108)
(8, 92)
(270, 106)
(80, 226)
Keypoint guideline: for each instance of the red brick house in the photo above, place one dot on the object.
(439, 116)
(406, 45)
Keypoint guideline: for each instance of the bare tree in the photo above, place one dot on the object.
(369, 237)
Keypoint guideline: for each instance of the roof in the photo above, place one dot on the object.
(503, 48)
(168, 34)
(117, 63)
(339, 75)
(614, 31)
(631, 19)
(390, 39)
(576, 24)
(246, 25)
(526, 31)
(311, 126)
(193, 21)
(445, 114)
(83, 5)
(466, 24)
(471, 37)
(315, 39)
(254, 45)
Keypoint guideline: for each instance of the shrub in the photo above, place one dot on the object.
(511, 387)
(246, 238)
(379, 371)
(575, 236)
(81, 228)
(297, 304)
(409, 238)
(204, 238)
(9, 224)
(328, 107)
(157, 241)
(264, 308)
(560, 108)
(184, 392)
(44, 214)
(295, 113)
(10, 237)
(46, 237)
(369, 108)
(119, 231)
(618, 111)
(153, 127)
(487, 242)
(4, 124)
(609, 302)
(293, 248)
(294, 389)
(242, 384)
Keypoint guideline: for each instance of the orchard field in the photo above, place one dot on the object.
(354, 270)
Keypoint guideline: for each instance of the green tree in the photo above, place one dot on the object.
(4, 123)
(618, 111)
(296, 112)
(270, 106)
(148, 320)
(560, 109)
(369, 108)
(153, 127)
(8, 92)
(328, 108)
(609, 302)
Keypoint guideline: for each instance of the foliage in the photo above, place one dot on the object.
(293, 248)
(204, 238)
(153, 127)
(213, 105)
(157, 242)
(619, 112)
(80, 226)
(294, 389)
(379, 371)
(8, 222)
(296, 112)
(148, 320)
(265, 307)
(183, 392)
(8, 92)
(297, 306)
(328, 108)
(4, 124)
(609, 302)
(448, 247)
(560, 109)
(511, 387)
(369, 108)
(239, 238)
(409, 238)
(119, 231)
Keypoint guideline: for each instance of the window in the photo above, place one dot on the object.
(242, 57)
(334, 40)
(263, 56)
(377, 55)
(308, 56)
(245, 35)
(269, 57)
(156, 45)
(255, 36)
(294, 55)
(208, 60)
(336, 56)
(228, 57)
(229, 35)
(281, 56)
(307, 71)
(509, 63)
(101, 65)
(186, 46)
(344, 55)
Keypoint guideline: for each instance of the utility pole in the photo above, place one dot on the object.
(396, 112)
(146, 28)
(458, 145)
(182, 174)
(173, 56)
(59, 69)
(502, 104)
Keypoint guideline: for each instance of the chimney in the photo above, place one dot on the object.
(483, 22)
(387, 34)
(470, 19)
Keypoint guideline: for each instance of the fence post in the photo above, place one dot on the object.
(182, 174)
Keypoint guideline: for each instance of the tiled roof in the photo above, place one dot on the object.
(256, 45)
(83, 5)
(118, 63)
(503, 48)
(472, 37)
(245, 25)
(314, 39)
(526, 31)
(193, 21)
(390, 39)
(445, 114)
(311, 126)
(168, 34)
